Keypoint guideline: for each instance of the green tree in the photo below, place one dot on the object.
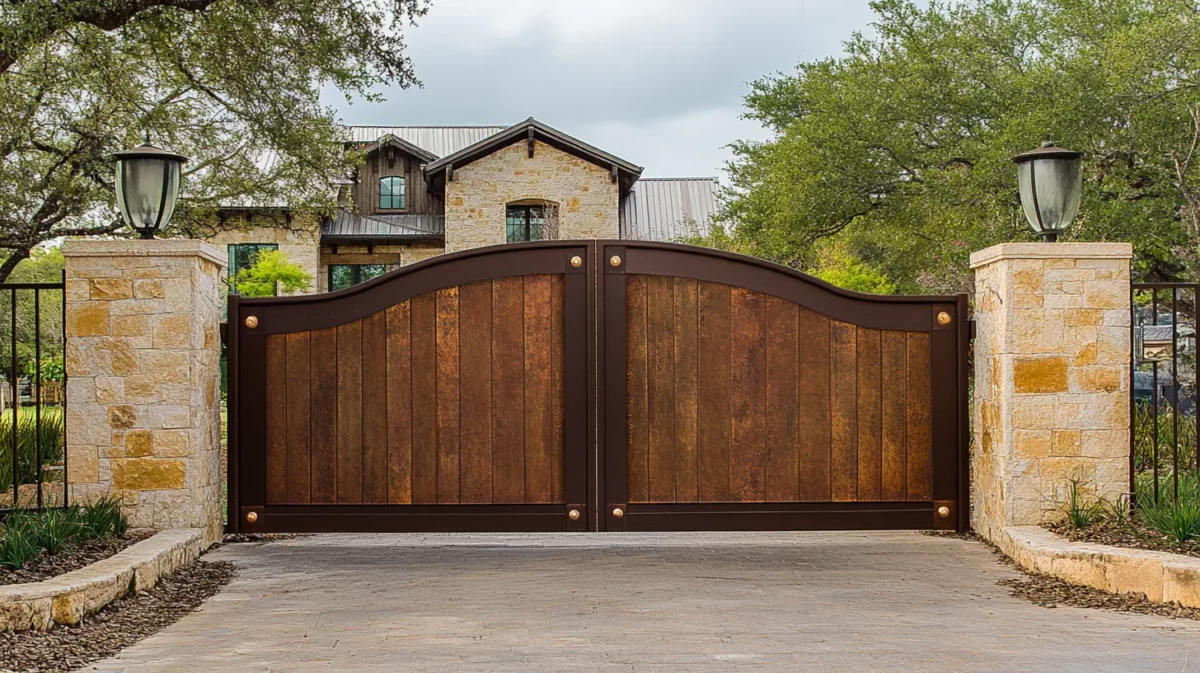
(233, 84)
(901, 148)
(838, 265)
(271, 273)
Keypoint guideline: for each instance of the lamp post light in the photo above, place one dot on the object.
(1050, 184)
(147, 186)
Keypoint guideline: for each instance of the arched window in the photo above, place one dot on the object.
(391, 193)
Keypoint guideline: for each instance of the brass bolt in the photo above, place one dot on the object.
(943, 511)
(618, 512)
(943, 318)
(252, 321)
(251, 517)
(615, 260)
(573, 515)
(576, 261)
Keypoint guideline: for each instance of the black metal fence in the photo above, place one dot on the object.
(33, 400)
(1164, 445)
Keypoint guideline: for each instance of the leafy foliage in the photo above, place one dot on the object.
(838, 265)
(52, 430)
(26, 534)
(902, 147)
(271, 272)
(234, 85)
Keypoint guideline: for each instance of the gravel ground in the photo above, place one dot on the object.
(1128, 533)
(119, 625)
(1050, 592)
(73, 558)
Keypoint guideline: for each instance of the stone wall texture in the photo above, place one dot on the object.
(143, 350)
(584, 193)
(1051, 406)
(299, 241)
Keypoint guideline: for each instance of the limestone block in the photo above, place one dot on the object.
(1040, 375)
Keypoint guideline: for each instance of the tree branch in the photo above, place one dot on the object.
(103, 14)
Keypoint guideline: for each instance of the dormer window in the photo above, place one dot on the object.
(391, 193)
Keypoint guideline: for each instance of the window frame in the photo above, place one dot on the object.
(356, 272)
(233, 259)
(528, 221)
(392, 181)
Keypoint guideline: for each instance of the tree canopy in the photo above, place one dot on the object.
(271, 272)
(901, 148)
(233, 84)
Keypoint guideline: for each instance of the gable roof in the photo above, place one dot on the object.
(390, 140)
(547, 134)
(669, 209)
(439, 141)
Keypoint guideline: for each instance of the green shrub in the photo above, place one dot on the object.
(18, 541)
(1143, 439)
(52, 430)
(55, 529)
(102, 517)
(1081, 512)
(1179, 519)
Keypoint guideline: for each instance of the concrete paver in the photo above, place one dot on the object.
(862, 602)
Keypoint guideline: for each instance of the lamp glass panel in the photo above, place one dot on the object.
(1059, 186)
(140, 185)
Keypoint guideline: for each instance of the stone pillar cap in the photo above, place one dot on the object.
(158, 247)
(1051, 251)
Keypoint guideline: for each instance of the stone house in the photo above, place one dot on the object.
(425, 190)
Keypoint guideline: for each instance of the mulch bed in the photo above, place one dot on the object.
(1050, 592)
(240, 538)
(117, 626)
(76, 556)
(1129, 533)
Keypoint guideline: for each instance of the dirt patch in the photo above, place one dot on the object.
(241, 538)
(1129, 533)
(77, 556)
(1050, 592)
(117, 626)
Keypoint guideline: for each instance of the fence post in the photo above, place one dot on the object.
(143, 421)
(1052, 354)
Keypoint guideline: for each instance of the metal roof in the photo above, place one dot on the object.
(669, 209)
(348, 225)
(437, 140)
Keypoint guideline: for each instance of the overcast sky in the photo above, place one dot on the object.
(656, 82)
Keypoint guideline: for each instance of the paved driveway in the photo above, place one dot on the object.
(636, 602)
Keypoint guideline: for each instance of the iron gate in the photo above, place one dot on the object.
(580, 385)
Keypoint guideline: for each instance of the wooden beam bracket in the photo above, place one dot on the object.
(530, 141)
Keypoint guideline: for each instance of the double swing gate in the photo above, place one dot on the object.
(596, 385)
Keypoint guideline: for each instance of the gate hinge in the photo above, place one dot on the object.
(971, 329)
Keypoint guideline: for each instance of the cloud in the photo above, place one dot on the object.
(658, 82)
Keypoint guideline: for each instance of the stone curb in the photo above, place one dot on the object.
(66, 599)
(1161, 576)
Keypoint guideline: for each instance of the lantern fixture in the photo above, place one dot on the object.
(1050, 183)
(147, 186)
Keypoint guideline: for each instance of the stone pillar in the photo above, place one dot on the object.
(143, 405)
(1051, 405)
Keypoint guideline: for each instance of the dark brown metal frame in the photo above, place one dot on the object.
(949, 345)
(1156, 400)
(595, 405)
(37, 288)
(278, 315)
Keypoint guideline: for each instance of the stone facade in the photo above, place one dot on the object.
(1052, 354)
(143, 350)
(584, 194)
(299, 242)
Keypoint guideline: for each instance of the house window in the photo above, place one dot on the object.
(391, 193)
(342, 276)
(244, 255)
(525, 223)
